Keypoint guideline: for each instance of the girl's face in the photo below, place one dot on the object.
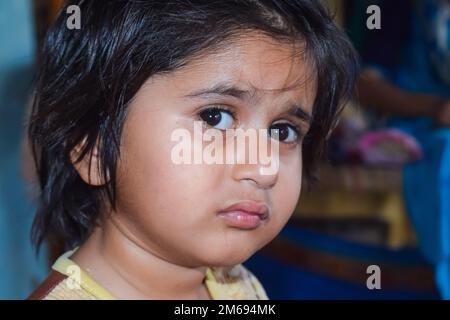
(176, 211)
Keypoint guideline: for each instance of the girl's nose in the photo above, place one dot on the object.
(263, 172)
(255, 173)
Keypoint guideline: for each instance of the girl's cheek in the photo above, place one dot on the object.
(289, 186)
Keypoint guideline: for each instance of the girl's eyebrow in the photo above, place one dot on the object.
(226, 89)
(300, 113)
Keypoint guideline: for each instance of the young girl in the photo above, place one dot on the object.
(109, 101)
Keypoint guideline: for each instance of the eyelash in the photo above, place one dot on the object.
(297, 132)
(232, 113)
(221, 108)
(217, 108)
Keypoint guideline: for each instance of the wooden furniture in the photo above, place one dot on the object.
(349, 192)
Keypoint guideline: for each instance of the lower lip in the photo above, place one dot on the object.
(242, 219)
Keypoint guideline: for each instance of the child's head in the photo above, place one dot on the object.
(110, 96)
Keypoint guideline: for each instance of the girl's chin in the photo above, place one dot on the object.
(229, 259)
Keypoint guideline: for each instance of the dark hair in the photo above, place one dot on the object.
(87, 78)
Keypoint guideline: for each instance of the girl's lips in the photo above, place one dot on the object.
(245, 214)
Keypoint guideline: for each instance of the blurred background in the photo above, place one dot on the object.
(382, 198)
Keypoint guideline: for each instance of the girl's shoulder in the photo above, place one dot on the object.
(68, 281)
(58, 286)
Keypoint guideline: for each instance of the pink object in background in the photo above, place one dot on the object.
(390, 147)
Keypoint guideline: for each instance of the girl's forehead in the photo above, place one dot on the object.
(257, 64)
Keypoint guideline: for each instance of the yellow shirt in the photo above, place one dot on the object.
(227, 283)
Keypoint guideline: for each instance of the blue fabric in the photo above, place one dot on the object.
(350, 249)
(20, 270)
(427, 194)
(285, 281)
(418, 71)
(426, 186)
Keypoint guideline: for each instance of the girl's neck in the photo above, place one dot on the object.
(127, 268)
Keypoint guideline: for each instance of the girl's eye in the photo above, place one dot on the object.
(287, 133)
(218, 118)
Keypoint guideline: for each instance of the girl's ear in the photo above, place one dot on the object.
(89, 167)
